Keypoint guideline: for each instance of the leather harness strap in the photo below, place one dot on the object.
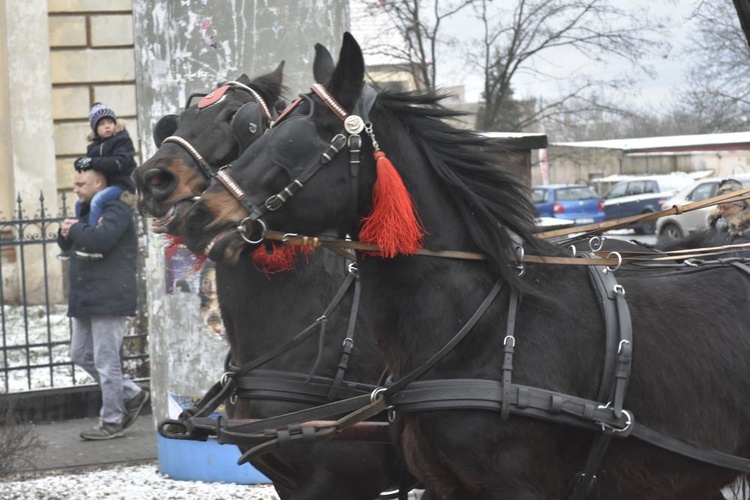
(240, 380)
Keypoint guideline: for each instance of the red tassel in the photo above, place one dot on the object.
(175, 243)
(279, 260)
(393, 224)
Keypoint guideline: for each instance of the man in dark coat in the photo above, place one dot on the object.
(102, 294)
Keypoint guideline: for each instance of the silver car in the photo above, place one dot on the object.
(676, 227)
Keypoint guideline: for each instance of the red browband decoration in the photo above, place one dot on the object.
(214, 97)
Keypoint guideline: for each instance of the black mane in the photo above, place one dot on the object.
(491, 200)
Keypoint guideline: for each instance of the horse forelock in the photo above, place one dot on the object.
(492, 202)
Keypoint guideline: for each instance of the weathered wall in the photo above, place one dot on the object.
(185, 47)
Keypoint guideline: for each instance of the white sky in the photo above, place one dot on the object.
(670, 67)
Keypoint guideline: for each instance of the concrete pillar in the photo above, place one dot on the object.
(186, 47)
(26, 134)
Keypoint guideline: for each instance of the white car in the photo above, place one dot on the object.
(675, 227)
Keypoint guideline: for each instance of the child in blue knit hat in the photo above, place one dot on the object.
(111, 152)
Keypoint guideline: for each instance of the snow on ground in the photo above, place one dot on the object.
(141, 482)
(44, 327)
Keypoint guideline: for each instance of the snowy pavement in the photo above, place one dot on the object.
(142, 482)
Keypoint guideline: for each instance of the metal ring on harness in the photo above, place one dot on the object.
(241, 229)
(622, 343)
(573, 250)
(374, 395)
(619, 262)
(520, 253)
(629, 420)
(596, 243)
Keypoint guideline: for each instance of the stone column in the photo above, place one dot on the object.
(26, 134)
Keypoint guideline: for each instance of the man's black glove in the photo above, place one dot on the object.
(82, 164)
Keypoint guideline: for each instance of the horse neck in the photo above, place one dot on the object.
(261, 312)
(414, 301)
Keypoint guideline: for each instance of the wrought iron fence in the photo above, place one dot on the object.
(36, 332)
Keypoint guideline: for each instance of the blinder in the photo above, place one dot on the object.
(166, 126)
(247, 124)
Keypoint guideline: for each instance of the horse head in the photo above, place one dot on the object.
(292, 179)
(193, 145)
(324, 166)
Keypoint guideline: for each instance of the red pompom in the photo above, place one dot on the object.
(393, 224)
(280, 258)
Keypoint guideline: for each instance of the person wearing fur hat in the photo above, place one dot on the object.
(727, 224)
(111, 152)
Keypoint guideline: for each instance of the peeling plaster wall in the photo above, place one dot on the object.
(189, 46)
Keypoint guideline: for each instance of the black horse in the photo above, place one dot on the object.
(262, 312)
(690, 376)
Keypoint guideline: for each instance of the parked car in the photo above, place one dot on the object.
(676, 227)
(579, 203)
(642, 195)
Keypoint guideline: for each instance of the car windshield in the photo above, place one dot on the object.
(576, 193)
(617, 190)
(539, 195)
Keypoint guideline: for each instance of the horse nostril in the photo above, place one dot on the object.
(154, 177)
(159, 183)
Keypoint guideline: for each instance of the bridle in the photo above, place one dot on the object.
(211, 99)
(353, 125)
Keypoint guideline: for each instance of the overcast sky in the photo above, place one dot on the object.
(670, 67)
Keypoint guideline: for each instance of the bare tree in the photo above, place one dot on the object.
(717, 90)
(517, 41)
(421, 25)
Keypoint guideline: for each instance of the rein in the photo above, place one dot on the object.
(598, 228)
(613, 260)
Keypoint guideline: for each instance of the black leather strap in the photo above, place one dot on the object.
(509, 345)
(348, 344)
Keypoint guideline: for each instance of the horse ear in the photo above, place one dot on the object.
(323, 65)
(270, 86)
(165, 127)
(349, 76)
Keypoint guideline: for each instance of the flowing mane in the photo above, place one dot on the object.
(490, 199)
